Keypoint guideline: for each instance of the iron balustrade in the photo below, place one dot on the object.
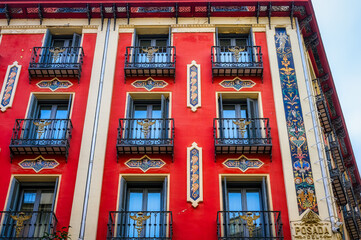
(242, 135)
(145, 135)
(237, 61)
(133, 225)
(233, 225)
(150, 61)
(322, 108)
(56, 62)
(35, 224)
(41, 136)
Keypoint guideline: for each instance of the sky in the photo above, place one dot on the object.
(339, 24)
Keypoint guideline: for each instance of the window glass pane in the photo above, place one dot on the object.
(235, 201)
(140, 111)
(62, 112)
(156, 111)
(59, 43)
(223, 42)
(253, 200)
(46, 200)
(145, 43)
(154, 201)
(135, 201)
(29, 198)
(241, 42)
(161, 42)
(229, 111)
(45, 112)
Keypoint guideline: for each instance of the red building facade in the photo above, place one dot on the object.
(172, 120)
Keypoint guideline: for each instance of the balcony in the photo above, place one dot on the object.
(41, 136)
(350, 194)
(249, 225)
(34, 226)
(239, 136)
(132, 225)
(338, 187)
(237, 61)
(351, 219)
(49, 62)
(150, 61)
(336, 155)
(322, 108)
(145, 136)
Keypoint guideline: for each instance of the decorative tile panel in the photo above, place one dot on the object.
(54, 84)
(243, 163)
(193, 86)
(9, 86)
(145, 163)
(149, 84)
(302, 172)
(237, 83)
(194, 175)
(38, 164)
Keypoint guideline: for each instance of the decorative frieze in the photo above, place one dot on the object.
(145, 163)
(149, 84)
(9, 86)
(237, 83)
(194, 175)
(243, 163)
(54, 84)
(302, 172)
(38, 164)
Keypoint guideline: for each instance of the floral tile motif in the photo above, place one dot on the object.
(9, 86)
(145, 163)
(54, 84)
(237, 83)
(302, 172)
(243, 163)
(38, 164)
(149, 84)
(194, 175)
(193, 86)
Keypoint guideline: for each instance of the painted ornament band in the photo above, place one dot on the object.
(193, 86)
(302, 172)
(9, 86)
(194, 175)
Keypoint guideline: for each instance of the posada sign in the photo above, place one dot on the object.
(311, 227)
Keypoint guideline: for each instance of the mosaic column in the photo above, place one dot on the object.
(193, 86)
(302, 172)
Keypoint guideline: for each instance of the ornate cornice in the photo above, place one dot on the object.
(193, 26)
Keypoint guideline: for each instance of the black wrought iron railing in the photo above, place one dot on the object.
(242, 131)
(33, 136)
(150, 61)
(146, 131)
(56, 62)
(237, 57)
(18, 225)
(239, 225)
(133, 225)
(145, 57)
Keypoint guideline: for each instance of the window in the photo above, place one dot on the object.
(152, 48)
(147, 119)
(48, 118)
(237, 48)
(34, 199)
(245, 199)
(238, 118)
(148, 198)
(61, 48)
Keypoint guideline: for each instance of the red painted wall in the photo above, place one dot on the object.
(19, 48)
(198, 223)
